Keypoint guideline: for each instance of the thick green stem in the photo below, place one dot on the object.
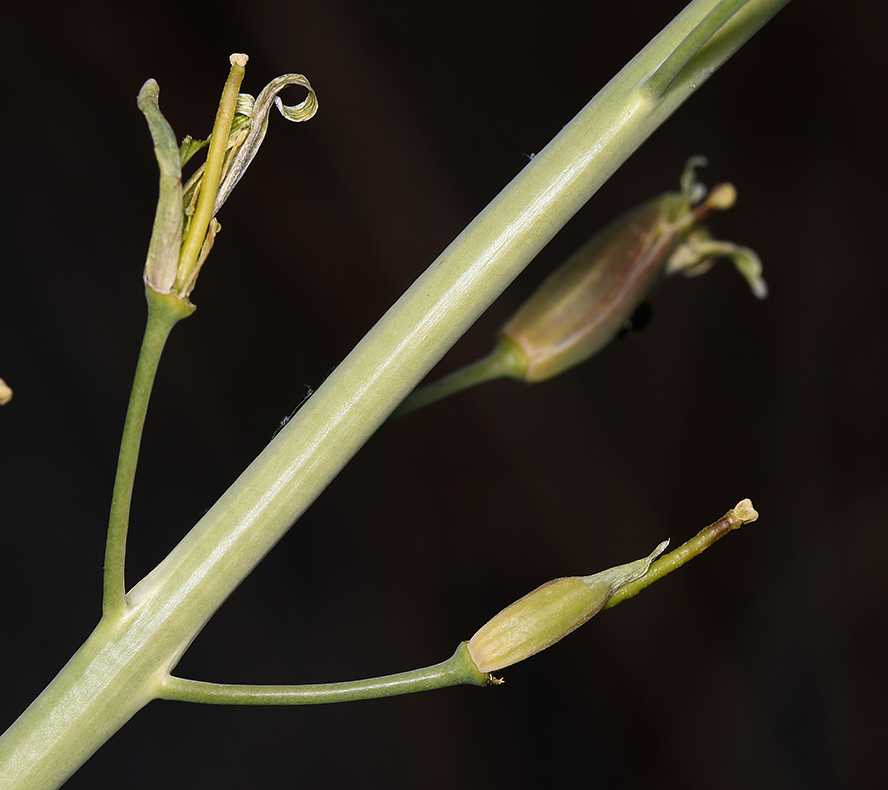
(164, 312)
(457, 670)
(658, 83)
(112, 676)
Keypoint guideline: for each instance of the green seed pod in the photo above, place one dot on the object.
(585, 303)
(549, 613)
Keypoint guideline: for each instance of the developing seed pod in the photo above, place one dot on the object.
(595, 294)
(587, 301)
(550, 612)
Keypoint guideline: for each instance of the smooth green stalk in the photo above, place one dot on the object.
(125, 662)
(457, 670)
(505, 361)
(736, 517)
(683, 54)
(164, 312)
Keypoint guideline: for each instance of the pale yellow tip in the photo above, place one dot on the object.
(239, 59)
(745, 511)
(722, 196)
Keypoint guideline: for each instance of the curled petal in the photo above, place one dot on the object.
(697, 256)
(258, 111)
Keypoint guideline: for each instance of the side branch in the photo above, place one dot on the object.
(456, 671)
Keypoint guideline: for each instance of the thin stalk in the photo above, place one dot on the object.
(457, 670)
(742, 514)
(505, 361)
(164, 311)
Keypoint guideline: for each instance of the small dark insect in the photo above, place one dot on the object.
(637, 321)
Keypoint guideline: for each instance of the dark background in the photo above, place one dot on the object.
(757, 665)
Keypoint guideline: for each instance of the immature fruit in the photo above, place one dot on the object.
(588, 300)
(549, 613)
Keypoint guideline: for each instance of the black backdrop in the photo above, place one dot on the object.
(757, 664)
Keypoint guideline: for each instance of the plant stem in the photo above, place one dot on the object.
(125, 661)
(164, 312)
(658, 83)
(457, 670)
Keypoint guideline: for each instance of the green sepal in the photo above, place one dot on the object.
(166, 238)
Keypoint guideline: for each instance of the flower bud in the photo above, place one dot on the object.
(185, 224)
(550, 612)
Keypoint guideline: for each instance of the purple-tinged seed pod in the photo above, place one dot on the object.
(585, 303)
(595, 293)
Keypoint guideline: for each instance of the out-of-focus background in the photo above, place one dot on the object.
(757, 665)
